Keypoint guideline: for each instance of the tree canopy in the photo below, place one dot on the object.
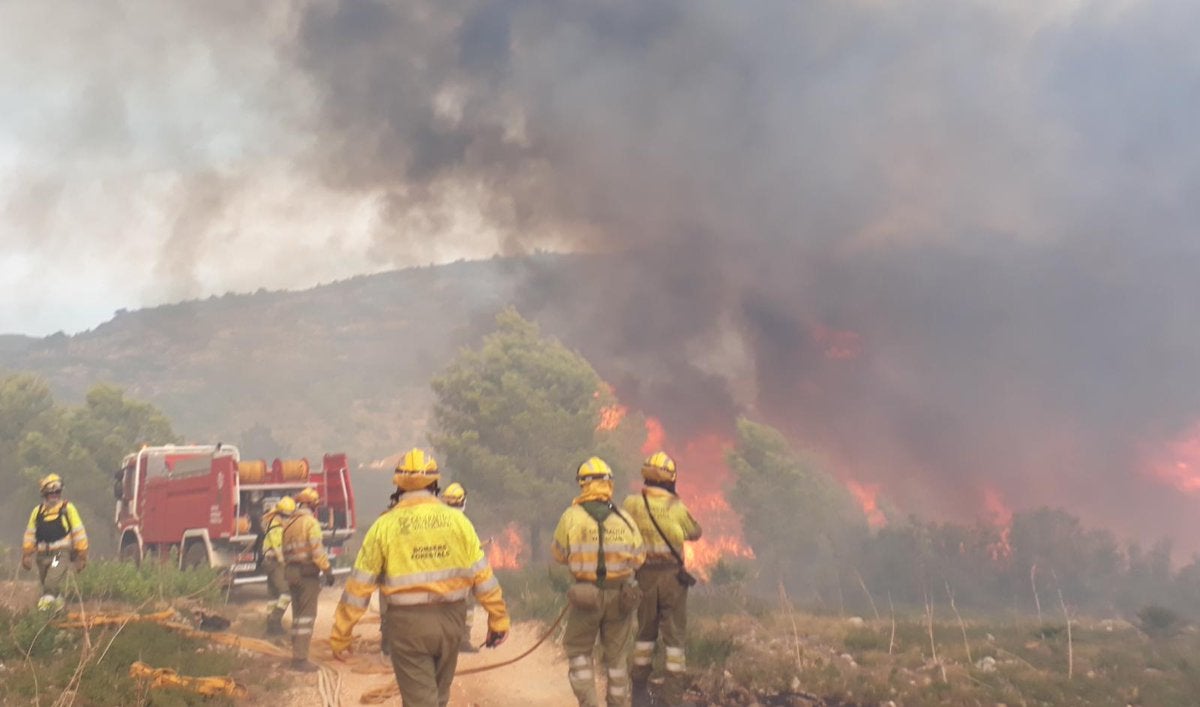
(514, 418)
(83, 444)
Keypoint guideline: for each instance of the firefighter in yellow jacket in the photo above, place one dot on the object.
(455, 496)
(304, 553)
(55, 533)
(428, 559)
(274, 565)
(602, 548)
(665, 524)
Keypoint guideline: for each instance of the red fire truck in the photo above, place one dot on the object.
(206, 503)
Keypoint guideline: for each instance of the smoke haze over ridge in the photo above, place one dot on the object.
(950, 244)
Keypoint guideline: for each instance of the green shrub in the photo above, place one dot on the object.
(709, 648)
(537, 593)
(1159, 622)
(862, 639)
(124, 581)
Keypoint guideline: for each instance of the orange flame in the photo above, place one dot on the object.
(866, 494)
(1179, 466)
(507, 551)
(999, 515)
(611, 417)
(655, 436)
(841, 345)
(703, 476)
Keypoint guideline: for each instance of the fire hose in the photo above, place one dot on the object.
(386, 692)
(165, 677)
(329, 680)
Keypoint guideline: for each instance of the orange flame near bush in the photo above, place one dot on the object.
(611, 417)
(1000, 515)
(506, 552)
(703, 477)
(866, 495)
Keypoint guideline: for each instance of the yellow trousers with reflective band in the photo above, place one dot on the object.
(304, 583)
(663, 613)
(614, 630)
(277, 585)
(423, 643)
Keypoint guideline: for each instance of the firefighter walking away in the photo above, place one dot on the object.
(427, 559)
(306, 561)
(665, 524)
(275, 566)
(602, 548)
(54, 536)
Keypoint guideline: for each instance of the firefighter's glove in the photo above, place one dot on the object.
(495, 638)
(80, 563)
(27, 562)
(329, 579)
(343, 655)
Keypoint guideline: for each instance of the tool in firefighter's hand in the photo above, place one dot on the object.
(495, 638)
(329, 579)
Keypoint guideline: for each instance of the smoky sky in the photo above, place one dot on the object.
(993, 201)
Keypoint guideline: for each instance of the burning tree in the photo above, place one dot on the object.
(514, 418)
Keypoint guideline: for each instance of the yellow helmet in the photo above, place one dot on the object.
(659, 467)
(308, 495)
(51, 483)
(416, 470)
(592, 469)
(286, 506)
(455, 495)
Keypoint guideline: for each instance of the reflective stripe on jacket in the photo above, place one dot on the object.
(577, 545)
(272, 545)
(420, 552)
(302, 540)
(75, 540)
(672, 516)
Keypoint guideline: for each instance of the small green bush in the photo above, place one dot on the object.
(708, 648)
(1159, 622)
(537, 593)
(862, 639)
(124, 581)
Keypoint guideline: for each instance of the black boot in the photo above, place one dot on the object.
(275, 623)
(641, 693)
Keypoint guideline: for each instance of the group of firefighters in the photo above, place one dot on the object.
(425, 560)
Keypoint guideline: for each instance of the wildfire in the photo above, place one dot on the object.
(507, 551)
(1180, 465)
(611, 417)
(838, 344)
(655, 436)
(866, 494)
(703, 477)
(999, 515)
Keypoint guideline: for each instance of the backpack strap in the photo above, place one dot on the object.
(662, 535)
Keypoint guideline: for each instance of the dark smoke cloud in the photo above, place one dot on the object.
(994, 200)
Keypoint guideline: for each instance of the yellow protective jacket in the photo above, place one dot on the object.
(74, 535)
(672, 516)
(420, 552)
(272, 545)
(577, 544)
(302, 541)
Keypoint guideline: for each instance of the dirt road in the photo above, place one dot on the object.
(539, 680)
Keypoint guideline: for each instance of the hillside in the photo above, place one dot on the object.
(341, 366)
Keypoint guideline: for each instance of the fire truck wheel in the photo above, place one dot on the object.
(129, 553)
(195, 556)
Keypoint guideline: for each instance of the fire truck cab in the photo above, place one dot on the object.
(206, 504)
